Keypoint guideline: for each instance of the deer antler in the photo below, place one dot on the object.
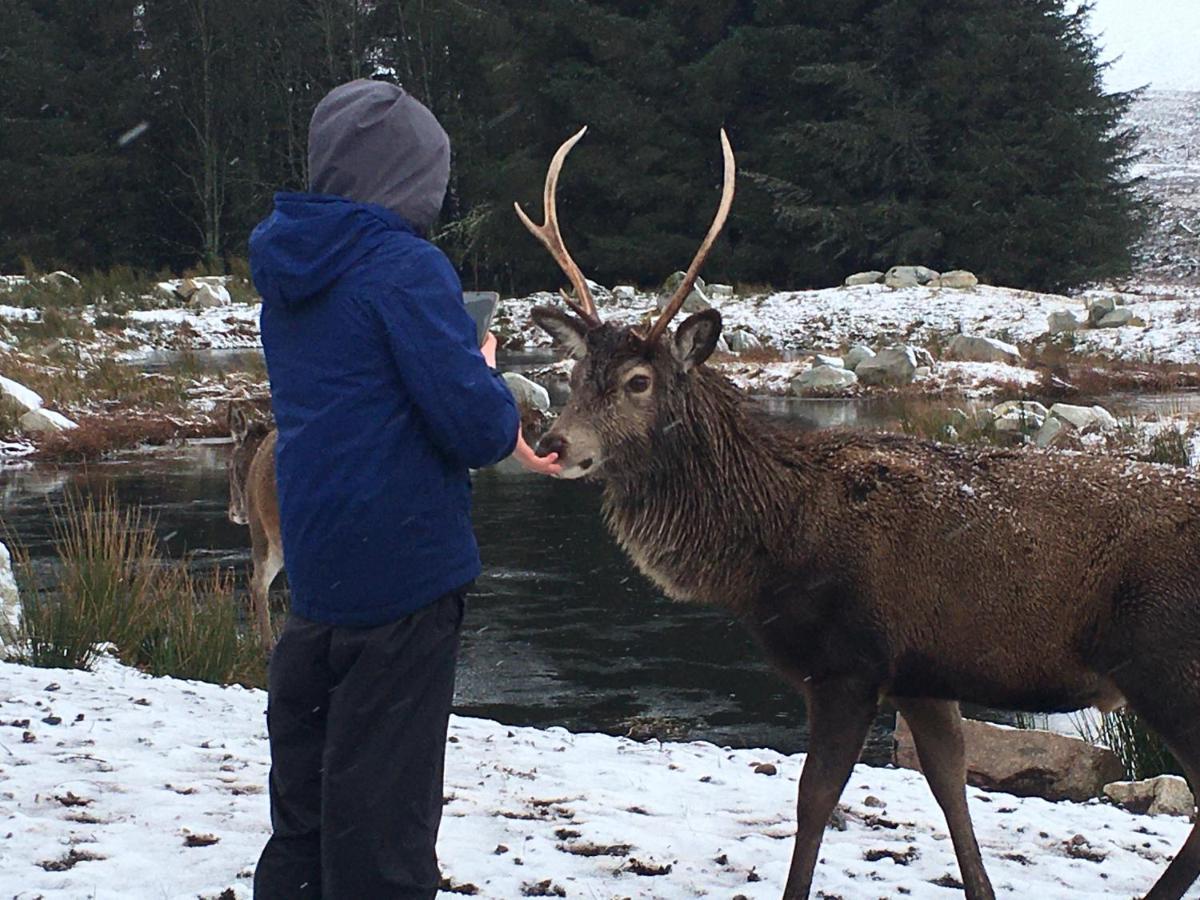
(551, 237)
(685, 287)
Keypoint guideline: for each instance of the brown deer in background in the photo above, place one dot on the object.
(254, 501)
(876, 566)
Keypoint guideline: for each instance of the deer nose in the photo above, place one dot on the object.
(552, 443)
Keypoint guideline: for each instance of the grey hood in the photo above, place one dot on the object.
(371, 142)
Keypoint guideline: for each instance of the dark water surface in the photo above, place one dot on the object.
(561, 629)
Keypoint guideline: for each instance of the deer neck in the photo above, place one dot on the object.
(699, 500)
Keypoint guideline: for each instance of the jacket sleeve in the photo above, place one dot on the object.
(467, 407)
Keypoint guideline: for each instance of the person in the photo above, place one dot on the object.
(383, 403)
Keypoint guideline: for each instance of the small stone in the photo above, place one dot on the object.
(874, 802)
(1164, 795)
(1116, 319)
(872, 277)
(765, 769)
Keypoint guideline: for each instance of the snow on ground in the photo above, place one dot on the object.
(117, 785)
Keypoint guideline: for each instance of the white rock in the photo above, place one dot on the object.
(1049, 431)
(167, 290)
(1019, 416)
(895, 365)
(722, 291)
(1084, 418)
(209, 296)
(908, 276)
(858, 278)
(982, 349)
(922, 372)
(959, 278)
(598, 290)
(857, 354)
(697, 300)
(46, 421)
(624, 293)
(924, 357)
(1164, 795)
(1116, 318)
(60, 279)
(526, 392)
(741, 341)
(1099, 307)
(27, 399)
(1063, 320)
(10, 598)
(820, 359)
(823, 378)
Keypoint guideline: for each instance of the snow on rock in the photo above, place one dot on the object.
(19, 313)
(27, 399)
(45, 421)
(982, 349)
(120, 769)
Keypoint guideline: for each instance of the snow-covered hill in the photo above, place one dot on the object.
(117, 785)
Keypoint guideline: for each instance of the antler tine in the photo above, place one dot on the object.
(550, 236)
(685, 287)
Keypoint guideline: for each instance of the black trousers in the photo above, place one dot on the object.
(357, 719)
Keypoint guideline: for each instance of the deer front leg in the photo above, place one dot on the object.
(937, 731)
(839, 715)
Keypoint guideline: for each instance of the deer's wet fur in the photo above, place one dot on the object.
(877, 567)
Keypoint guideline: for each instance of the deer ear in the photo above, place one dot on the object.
(239, 425)
(568, 332)
(697, 337)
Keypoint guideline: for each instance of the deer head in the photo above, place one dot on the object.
(628, 385)
(247, 434)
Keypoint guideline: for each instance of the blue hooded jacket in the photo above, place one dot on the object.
(383, 403)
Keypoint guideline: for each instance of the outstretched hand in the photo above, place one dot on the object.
(527, 457)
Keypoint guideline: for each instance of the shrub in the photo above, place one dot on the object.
(1141, 751)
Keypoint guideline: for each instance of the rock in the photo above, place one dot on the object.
(719, 291)
(1164, 795)
(45, 421)
(895, 365)
(741, 341)
(1024, 762)
(820, 359)
(858, 278)
(823, 379)
(982, 349)
(166, 290)
(922, 372)
(722, 345)
(210, 296)
(185, 288)
(675, 279)
(1099, 307)
(1029, 408)
(908, 276)
(923, 357)
(959, 278)
(1063, 321)
(599, 291)
(697, 300)
(10, 598)
(857, 354)
(1084, 418)
(1049, 432)
(624, 293)
(1018, 417)
(528, 394)
(1116, 318)
(28, 400)
(765, 769)
(60, 280)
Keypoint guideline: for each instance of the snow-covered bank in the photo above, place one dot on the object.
(116, 785)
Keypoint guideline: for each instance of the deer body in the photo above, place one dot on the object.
(254, 501)
(872, 566)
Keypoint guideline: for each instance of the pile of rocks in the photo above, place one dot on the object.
(1102, 312)
(914, 276)
(701, 296)
(896, 365)
(202, 292)
(1028, 420)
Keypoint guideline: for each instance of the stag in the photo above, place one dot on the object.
(254, 501)
(874, 567)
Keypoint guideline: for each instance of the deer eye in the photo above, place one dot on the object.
(638, 384)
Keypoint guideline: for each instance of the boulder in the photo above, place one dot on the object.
(185, 288)
(959, 278)
(697, 300)
(741, 341)
(982, 349)
(820, 359)
(10, 599)
(60, 279)
(1024, 762)
(528, 394)
(599, 291)
(1099, 307)
(1018, 417)
(895, 365)
(1164, 795)
(924, 357)
(1063, 321)
(624, 293)
(210, 296)
(1049, 432)
(1116, 318)
(25, 398)
(719, 291)
(823, 379)
(858, 278)
(166, 290)
(908, 276)
(857, 354)
(1084, 418)
(45, 421)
